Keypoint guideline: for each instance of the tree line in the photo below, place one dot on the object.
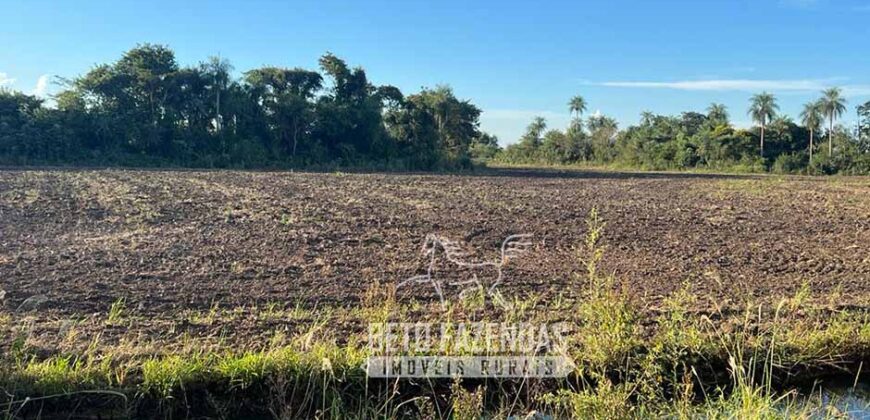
(705, 140)
(147, 110)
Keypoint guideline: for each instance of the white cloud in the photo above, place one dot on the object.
(727, 84)
(41, 86)
(856, 90)
(5, 80)
(746, 85)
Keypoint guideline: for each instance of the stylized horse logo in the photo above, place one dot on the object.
(512, 247)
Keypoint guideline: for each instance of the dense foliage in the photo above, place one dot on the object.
(706, 140)
(864, 121)
(147, 110)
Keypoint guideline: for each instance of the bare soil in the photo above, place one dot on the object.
(172, 243)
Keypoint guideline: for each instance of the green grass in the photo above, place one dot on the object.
(620, 370)
(116, 311)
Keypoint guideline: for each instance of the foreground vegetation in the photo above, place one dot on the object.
(631, 362)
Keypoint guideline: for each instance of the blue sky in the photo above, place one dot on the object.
(513, 59)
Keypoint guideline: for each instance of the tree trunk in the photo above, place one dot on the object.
(217, 115)
(811, 147)
(831, 137)
(762, 139)
(295, 137)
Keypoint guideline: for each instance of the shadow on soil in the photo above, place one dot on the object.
(596, 174)
(542, 173)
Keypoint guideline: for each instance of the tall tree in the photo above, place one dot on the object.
(285, 95)
(717, 113)
(602, 132)
(834, 105)
(350, 114)
(218, 71)
(864, 120)
(863, 136)
(762, 109)
(602, 122)
(135, 99)
(647, 118)
(534, 133)
(693, 122)
(457, 121)
(577, 105)
(811, 116)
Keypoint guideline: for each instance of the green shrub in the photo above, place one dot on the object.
(790, 163)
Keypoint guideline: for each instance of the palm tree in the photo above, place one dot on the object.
(220, 69)
(811, 116)
(534, 132)
(717, 112)
(647, 118)
(863, 115)
(762, 109)
(834, 105)
(577, 105)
